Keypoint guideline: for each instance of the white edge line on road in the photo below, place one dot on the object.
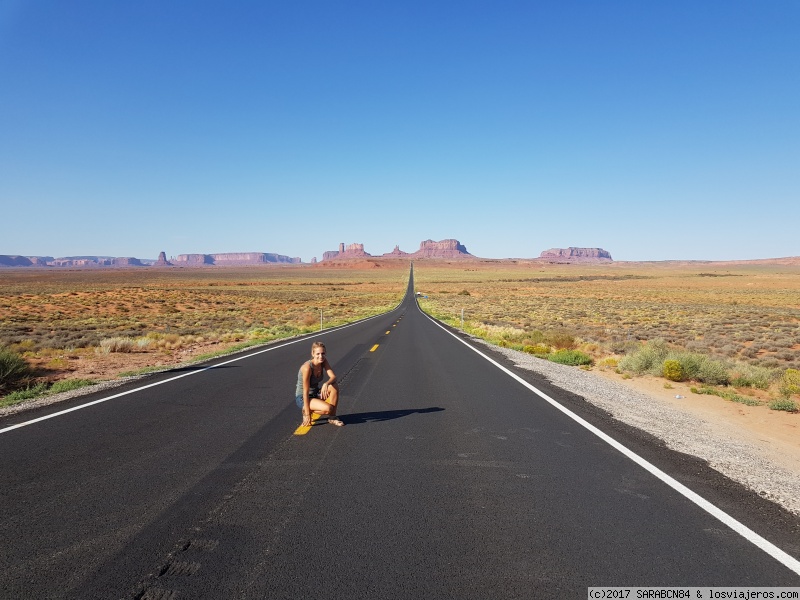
(144, 387)
(788, 561)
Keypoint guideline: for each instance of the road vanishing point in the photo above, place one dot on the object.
(457, 475)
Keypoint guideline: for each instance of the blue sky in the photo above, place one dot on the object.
(655, 130)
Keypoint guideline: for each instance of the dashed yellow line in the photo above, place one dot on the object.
(375, 347)
(302, 430)
(387, 333)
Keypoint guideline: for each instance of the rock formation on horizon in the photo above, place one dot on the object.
(234, 259)
(14, 260)
(442, 249)
(162, 260)
(572, 254)
(396, 253)
(126, 261)
(345, 252)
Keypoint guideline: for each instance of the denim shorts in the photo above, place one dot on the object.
(312, 393)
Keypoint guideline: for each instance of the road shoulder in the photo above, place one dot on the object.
(752, 445)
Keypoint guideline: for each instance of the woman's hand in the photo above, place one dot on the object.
(306, 419)
(323, 391)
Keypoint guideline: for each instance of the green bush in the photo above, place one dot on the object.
(570, 357)
(713, 372)
(691, 363)
(648, 358)
(753, 377)
(673, 370)
(783, 404)
(653, 356)
(790, 383)
(13, 368)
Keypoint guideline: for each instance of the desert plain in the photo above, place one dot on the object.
(100, 324)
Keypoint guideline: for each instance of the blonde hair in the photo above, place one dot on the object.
(316, 345)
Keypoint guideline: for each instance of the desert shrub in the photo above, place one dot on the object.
(672, 370)
(712, 371)
(533, 337)
(786, 404)
(560, 340)
(651, 358)
(30, 392)
(691, 363)
(13, 368)
(464, 293)
(570, 357)
(790, 383)
(536, 349)
(752, 376)
(117, 344)
(66, 385)
(647, 359)
(701, 368)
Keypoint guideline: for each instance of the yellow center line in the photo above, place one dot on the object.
(387, 333)
(302, 430)
(375, 347)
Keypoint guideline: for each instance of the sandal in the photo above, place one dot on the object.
(336, 421)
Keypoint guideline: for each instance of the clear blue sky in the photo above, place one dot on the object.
(655, 130)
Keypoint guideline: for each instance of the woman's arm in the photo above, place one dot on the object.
(306, 370)
(323, 392)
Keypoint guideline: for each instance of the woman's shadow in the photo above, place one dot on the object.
(385, 415)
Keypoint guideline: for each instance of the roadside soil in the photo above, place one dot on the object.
(775, 433)
(109, 366)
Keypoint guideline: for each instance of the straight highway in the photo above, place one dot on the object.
(456, 476)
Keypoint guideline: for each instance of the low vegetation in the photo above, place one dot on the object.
(13, 369)
(734, 329)
(51, 320)
(44, 389)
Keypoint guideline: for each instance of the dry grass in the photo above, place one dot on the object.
(746, 314)
(56, 318)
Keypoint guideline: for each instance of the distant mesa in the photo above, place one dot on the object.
(443, 249)
(427, 249)
(15, 261)
(233, 259)
(576, 255)
(128, 261)
(225, 259)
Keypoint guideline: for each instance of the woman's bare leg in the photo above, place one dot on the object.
(328, 406)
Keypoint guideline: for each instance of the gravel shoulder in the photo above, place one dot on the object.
(755, 446)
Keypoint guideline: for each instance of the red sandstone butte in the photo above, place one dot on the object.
(576, 254)
(346, 252)
(396, 253)
(442, 249)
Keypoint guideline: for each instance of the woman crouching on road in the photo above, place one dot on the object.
(310, 395)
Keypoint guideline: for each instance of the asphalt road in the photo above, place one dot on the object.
(451, 479)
